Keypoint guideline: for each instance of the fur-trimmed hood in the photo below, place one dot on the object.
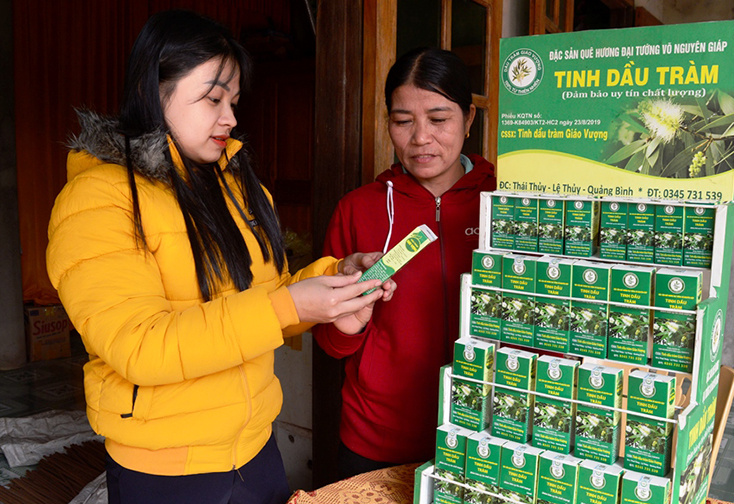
(100, 137)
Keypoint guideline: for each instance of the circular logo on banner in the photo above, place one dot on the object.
(676, 285)
(614, 206)
(716, 335)
(590, 276)
(647, 387)
(596, 379)
(522, 71)
(488, 262)
(630, 280)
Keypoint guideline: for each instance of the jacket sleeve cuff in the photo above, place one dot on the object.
(284, 307)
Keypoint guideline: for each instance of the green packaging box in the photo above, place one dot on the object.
(553, 417)
(503, 222)
(558, 478)
(597, 429)
(518, 308)
(519, 473)
(629, 327)
(613, 230)
(674, 334)
(483, 458)
(450, 463)
(698, 240)
(641, 232)
(589, 309)
(648, 442)
(552, 315)
(599, 483)
(550, 225)
(639, 488)
(526, 224)
(581, 227)
(668, 241)
(470, 400)
(485, 313)
(512, 409)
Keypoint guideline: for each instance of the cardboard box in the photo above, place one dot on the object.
(47, 332)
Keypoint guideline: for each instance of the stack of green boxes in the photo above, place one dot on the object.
(629, 325)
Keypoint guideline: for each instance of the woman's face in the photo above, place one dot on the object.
(200, 110)
(428, 131)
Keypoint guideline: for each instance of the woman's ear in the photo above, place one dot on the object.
(469, 118)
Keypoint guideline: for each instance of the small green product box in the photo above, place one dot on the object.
(698, 240)
(648, 442)
(599, 483)
(483, 458)
(553, 417)
(674, 333)
(558, 478)
(629, 326)
(641, 233)
(518, 307)
(552, 314)
(581, 227)
(526, 224)
(640, 488)
(485, 313)
(512, 409)
(550, 225)
(470, 400)
(613, 230)
(669, 234)
(589, 308)
(519, 472)
(597, 429)
(503, 221)
(450, 464)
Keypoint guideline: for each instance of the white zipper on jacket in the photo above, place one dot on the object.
(390, 215)
(438, 208)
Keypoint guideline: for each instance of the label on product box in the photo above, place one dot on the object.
(552, 314)
(613, 230)
(599, 483)
(669, 234)
(597, 429)
(398, 256)
(450, 463)
(551, 213)
(512, 409)
(698, 240)
(518, 308)
(483, 457)
(526, 224)
(485, 313)
(674, 334)
(557, 478)
(503, 222)
(639, 488)
(582, 227)
(553, 418)
(47, 332)
(473, 359)
(519, 473)
(589, 309)
(469, 404)
(487, 268)
(641, 232)
(629, 327)
(648, 442)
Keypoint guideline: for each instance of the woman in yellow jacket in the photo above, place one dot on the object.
(167, 255)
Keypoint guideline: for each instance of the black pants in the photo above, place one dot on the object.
(262, 481)
(351, 463)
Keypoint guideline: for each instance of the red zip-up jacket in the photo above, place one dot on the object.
(390, 393)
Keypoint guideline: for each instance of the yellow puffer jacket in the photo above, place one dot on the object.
(176, 385)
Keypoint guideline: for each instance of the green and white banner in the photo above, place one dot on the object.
(639, 112)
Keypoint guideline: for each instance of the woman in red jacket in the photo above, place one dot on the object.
(390, 392)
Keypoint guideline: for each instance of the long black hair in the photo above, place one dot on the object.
(432, 69)
(170, 45)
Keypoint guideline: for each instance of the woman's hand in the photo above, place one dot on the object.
(326, 299)
(358, 262)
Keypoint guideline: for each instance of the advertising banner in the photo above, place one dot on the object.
(640, 112)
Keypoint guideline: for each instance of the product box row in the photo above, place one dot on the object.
(564, 406)
(478, 468)
(648, 232)
(623, 312)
